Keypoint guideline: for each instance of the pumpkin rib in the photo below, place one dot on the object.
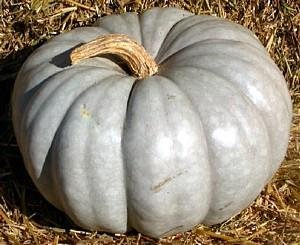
(60, 85)
(142, 133)
(199, 115)
(127, 23)
(27, 124)
(167, 45)
(30, 95)
(19, 96)
(35, 93)
(227, 81)
(268, 122)
(69, 206)
(242, 94)
(255, 56)
(42, 55)
(246, 61)
(37, 177)
(189, 99)
(172, 29)
(64, 204)
(39, 68)
(229, 43)
(88, 151)
(202, 41)
(156, 15)
(87, 155)
(183, 86)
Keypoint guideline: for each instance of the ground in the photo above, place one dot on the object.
(26, 218)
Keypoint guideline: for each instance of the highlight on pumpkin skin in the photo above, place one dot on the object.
(140, 63)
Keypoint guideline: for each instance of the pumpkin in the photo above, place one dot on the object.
(155, 122)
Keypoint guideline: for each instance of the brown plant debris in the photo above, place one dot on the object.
(26, 218)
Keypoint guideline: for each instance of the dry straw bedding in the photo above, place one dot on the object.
(26, 218)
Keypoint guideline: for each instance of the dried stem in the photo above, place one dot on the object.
(140, 63)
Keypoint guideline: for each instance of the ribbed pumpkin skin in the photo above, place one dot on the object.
(195, 143)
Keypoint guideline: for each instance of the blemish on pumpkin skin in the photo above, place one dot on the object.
(171, 96)
(84, 112)
(225, 206)
(158, 187)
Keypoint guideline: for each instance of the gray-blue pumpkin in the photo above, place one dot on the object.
(194, 143)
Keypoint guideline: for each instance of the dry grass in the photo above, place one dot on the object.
(26, 218)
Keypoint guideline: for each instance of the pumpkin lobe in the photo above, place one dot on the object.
(136, 58)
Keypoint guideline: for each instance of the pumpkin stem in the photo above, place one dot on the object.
(140, 63)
